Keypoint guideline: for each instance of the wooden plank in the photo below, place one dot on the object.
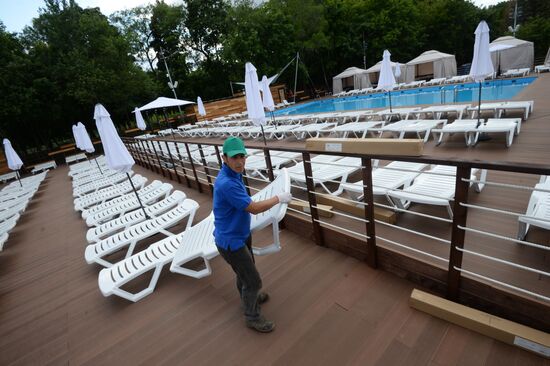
(341, 204)
(492, 326)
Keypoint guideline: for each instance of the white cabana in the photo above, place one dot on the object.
(374, 71)
(163, 102)
(352, 77)
(430, 64)
(511, 53)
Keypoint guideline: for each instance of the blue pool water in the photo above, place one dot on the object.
(492, 90)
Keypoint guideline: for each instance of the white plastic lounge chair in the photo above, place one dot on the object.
(509, 126)
(317, 162)
(436, 81)
(538, 210)
(542, 68)
(465, 126)
(123, 222)
(278, 159)
(5, 227)
(7, 176)
(418, 126)
(119, 201)
(525, 106)
(458, 79)
(401, 113)
(312, 130)
(437, 111)
(357, 129)
(106, 194)
(44, 166)
(195, 242)
(395, 175)
(512, 73)
(96, 185)
(433, 189)
(338, 170)
(135, 233)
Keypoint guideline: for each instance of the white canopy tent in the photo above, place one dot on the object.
(430, 64)
(511, 53)
(163, 102)
(374, 71)
(353, 77)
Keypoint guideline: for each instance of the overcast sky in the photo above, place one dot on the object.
(17, 14)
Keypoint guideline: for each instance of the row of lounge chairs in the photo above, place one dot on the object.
(14, 199)
(119, 224)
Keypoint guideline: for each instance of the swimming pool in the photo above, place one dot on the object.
(492, 90)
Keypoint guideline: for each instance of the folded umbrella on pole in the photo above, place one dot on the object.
(14, 161)
(386, 80)
(482, 65)
(85, 142)
(254, 104)
(116, 155)
(139, 120)
(76, 136)
(200, 106)
(267, 98)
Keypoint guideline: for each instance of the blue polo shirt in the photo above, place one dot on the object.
(231, 221)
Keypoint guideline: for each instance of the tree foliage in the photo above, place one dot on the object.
(53, 73)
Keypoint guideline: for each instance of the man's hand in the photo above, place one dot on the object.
(284, 197)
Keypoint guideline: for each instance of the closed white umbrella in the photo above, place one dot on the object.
(202, 111)
(85, 142)
(254, 105)
(386, 79)
(267, 98)
(482, 66)
(14, 161)
(139, 119)
(117, 156)
(76, 136)
(397, 71)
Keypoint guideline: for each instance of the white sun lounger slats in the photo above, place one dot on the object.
(81, 190)
(339, 170)
(129, 237)
(538, 210)
(465, 126)
(106, 194)
(357, 129)
(44, 166)
(5, 227)
(433, 189)
(108, 228)
(108, 210)
(395, 175)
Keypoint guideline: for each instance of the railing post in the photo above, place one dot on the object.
(312, 198)
(158, 159)
(193, 167)
(368, 198)
(268, 164)
(180, 157)
(172, 161)
(218, 156)
(149, 166)
(206, 171)
(460, 215)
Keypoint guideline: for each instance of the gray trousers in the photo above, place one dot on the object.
(249, 282)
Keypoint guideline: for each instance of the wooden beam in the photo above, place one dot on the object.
(492, 326)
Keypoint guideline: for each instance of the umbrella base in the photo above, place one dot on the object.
(483, 137)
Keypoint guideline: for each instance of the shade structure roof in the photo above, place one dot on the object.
(350, 71)
(505, 42)
(163, 102)
(428, 56)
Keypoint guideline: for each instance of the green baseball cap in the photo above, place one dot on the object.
(233, 146)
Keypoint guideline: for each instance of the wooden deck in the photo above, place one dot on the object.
(329, 308)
